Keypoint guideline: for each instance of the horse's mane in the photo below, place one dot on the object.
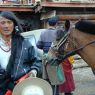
(86, 26)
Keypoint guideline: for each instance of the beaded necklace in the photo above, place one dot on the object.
(5, 44)
(5, 50)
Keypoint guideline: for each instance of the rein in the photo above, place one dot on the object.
(73, 52)
(61, 41)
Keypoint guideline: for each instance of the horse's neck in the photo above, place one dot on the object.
(87, 53)
(82, 38)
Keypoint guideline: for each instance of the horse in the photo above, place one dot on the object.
(79, 39)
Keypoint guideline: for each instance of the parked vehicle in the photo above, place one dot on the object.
(33, 37)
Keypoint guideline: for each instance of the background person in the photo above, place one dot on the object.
(46, 39)
(48, 36)
(68, 86)
(17, 55)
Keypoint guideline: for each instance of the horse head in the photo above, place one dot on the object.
(63, 46)
(79, 39)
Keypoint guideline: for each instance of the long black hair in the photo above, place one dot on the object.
(16, 38)
(11, 16)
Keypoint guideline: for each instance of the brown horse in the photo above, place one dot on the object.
(79, 40)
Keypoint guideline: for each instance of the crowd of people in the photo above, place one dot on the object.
(18, 57)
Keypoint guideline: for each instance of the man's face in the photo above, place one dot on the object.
(6, 26)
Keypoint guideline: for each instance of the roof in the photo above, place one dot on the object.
(71, 4)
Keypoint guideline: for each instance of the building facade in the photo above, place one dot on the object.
(33, 14)
(69, 9)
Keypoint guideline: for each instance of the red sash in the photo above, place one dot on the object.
(9, 92)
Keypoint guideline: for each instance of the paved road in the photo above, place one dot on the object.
(84, 79)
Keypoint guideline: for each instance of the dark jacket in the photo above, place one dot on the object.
(23, 59)
(26, 59)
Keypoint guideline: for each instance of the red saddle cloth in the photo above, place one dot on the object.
(68, 85)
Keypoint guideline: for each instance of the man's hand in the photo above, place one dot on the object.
(33, 73)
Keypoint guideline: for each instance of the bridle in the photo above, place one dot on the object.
(61, 41)
(64, 40)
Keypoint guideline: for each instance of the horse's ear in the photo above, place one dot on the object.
(67, 25)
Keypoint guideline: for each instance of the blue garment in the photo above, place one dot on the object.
(53, 20)
(46, 38)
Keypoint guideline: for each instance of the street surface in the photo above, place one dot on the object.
(84, 78)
